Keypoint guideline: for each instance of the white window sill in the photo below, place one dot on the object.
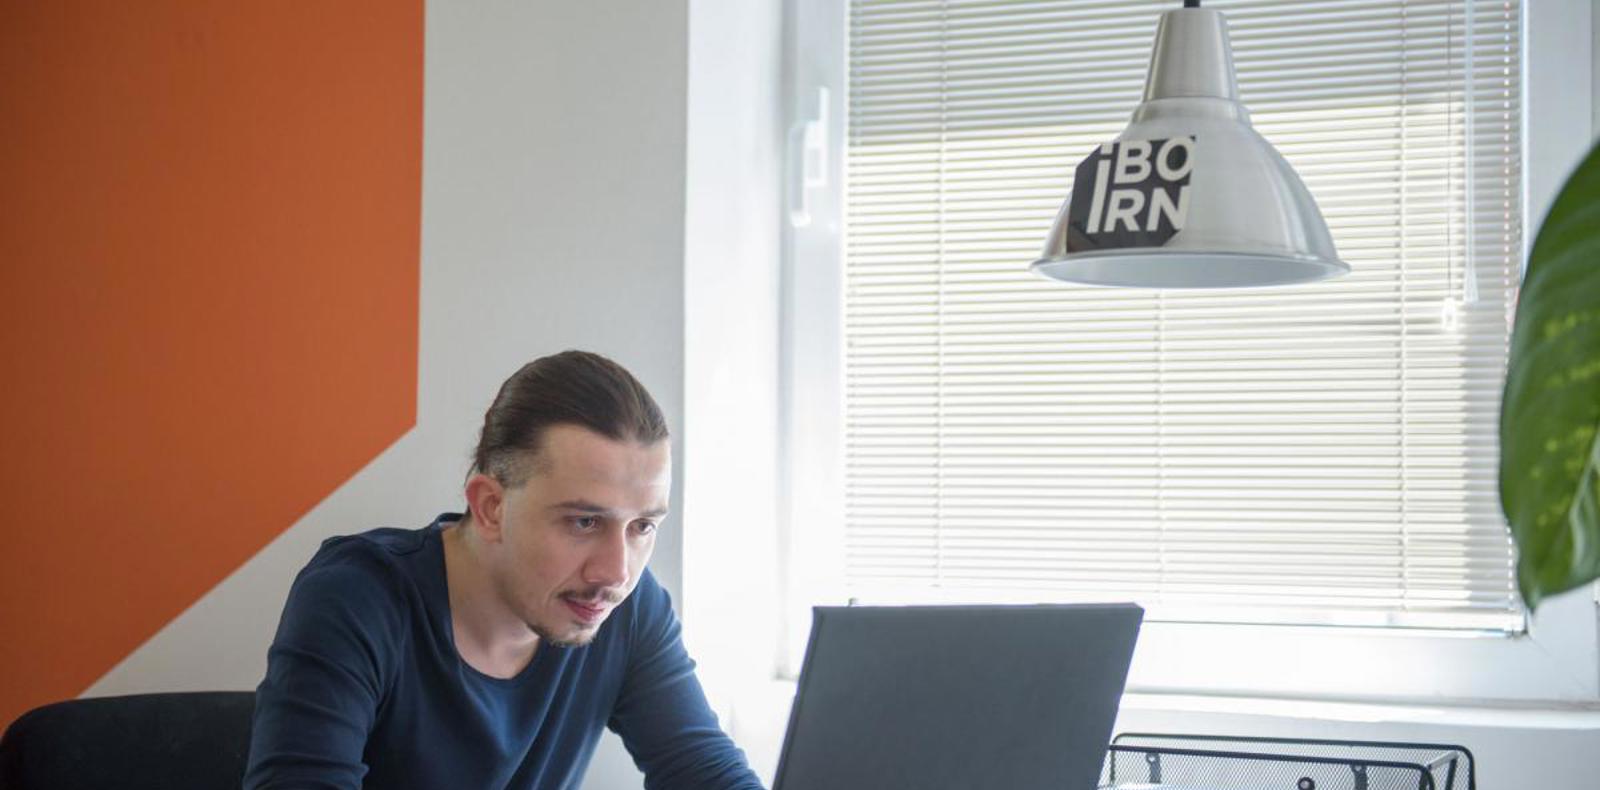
(1464, 713)
(768, 707)
(1515, 745)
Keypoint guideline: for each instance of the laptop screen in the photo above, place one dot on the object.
(958, 697)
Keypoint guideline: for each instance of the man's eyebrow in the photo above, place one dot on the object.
(585, 506)
(581, 505)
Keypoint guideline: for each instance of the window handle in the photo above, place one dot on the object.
(808, 159)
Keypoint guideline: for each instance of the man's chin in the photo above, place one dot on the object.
(570, 637)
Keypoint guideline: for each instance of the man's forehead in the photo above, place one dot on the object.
(574, 453)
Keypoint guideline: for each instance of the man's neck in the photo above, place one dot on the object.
(488, 635)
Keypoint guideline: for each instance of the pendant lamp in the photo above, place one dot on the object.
(1189, 195)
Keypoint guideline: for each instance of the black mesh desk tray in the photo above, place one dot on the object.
(1138, 761)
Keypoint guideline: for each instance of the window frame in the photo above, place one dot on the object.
(1556, 657)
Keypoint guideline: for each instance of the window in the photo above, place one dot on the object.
(1315, 454)
(1305, 463)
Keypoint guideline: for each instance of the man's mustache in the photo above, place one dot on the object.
(595, 595)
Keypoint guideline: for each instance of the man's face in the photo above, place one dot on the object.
(576, 536)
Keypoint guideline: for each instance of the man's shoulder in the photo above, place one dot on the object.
(647, 608)
(381, 543)
(386, 558)
(649, 593)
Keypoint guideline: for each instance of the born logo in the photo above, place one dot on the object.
(1130, 193)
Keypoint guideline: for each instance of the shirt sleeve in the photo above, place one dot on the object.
(661, 712)
(327, 670)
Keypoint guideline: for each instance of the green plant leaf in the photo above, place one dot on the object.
(1549, 451)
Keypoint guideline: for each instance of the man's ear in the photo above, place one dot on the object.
(486, 498)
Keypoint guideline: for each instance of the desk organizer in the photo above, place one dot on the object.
(1140, 761)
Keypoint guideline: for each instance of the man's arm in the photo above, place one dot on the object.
(326, 672)
(662, 714)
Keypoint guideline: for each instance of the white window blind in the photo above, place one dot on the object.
(1319, 454)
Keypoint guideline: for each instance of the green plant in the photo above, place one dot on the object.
(1549, 451)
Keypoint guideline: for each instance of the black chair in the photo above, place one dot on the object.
(173, 741)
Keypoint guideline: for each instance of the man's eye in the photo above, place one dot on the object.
(644, 527)
(586, 522)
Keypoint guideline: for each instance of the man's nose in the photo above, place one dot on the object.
(608, 564)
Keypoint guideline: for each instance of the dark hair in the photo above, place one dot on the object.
(572, 387)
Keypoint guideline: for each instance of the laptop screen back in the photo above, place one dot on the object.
(958, 697)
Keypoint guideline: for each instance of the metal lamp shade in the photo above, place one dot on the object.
(1189, 195)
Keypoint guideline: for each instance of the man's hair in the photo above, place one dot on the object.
(571, 388)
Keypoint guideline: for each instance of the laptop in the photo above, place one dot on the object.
(957, 697)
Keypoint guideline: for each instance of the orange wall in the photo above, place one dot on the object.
(209, 222)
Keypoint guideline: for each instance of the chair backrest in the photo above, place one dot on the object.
(178, 741)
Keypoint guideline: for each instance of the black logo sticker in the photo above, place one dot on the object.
(1131, 193)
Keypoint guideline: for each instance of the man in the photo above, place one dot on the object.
(487, 650)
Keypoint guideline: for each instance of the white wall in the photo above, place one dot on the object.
(731, 388)
(553, 217)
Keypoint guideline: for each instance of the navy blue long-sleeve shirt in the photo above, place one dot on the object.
(364, 688)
